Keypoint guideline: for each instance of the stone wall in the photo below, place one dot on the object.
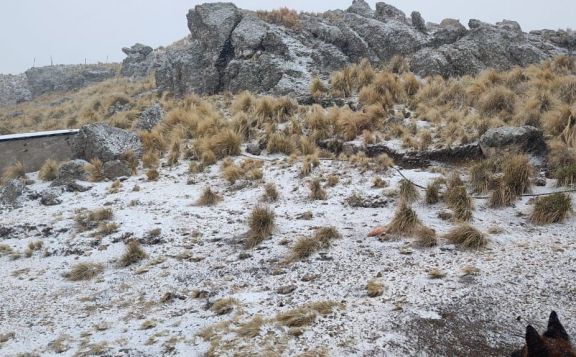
(33, 149)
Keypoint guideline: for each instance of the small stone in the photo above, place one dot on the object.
(285, 290)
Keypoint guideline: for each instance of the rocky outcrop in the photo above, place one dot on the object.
(142, 60)
(101, 141)
(73, 170)
(525, 139)
(62, 78)
(232, 49)
(13, 89)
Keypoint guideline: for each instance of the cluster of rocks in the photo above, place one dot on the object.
(59, 78)
(230, 49)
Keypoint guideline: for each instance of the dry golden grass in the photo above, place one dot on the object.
(49, 171)
(405, 220)
(150, 159)
(271, 192)
(94, 170)
(222, 144)
(566, 176)
(379, 182)
(432, 193)
(304, 248)
(224, 306)
(551, 209)
(517, 173)
(14, 171)
(261, 223)
(436, 273)
(133, 253)
(316, 190)
(426, 237)
(280, 143)
(502, 196)
(317, 88)
(458, 199)
(105, 229)
(482, 176)
(374, 288)
(251, 328)
(467, 237)
(408, 192)
(84, 271)
(87, 220)
(152, 174)
(305, 315)
(283, 16)
(208, 198)
(243, 102)
(132, 160)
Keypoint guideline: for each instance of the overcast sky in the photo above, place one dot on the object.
(72, 31)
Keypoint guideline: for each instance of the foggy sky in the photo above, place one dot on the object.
(72, 31)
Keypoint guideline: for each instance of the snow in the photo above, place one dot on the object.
(526, 271)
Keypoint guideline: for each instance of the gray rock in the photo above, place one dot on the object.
(526, 139)
(51, 196)
(418, 22)
(138, 61)
(11, 193)
(389, 12)
(233, 50)
(254, 149)
(69, 185)
(105, 143)
(73, 169)
(62, 78)
(150, 117)
(116, 168)
(13, 89)
(362, 8)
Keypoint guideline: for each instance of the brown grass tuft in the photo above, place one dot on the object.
(280, 143)
(208, 198)
(224, 306)
(133, 253)
(316, 190)
(408, 192)
(374, 288)
(87, 220)
(271, 192)
(426, 237)
(152, 174)
(551, 209)
(84, 271)
(517, 173)
(261, 223)
(283, 16)
(94, 170)
(14, 171)
(49, 171)
(405, 220)
(467, 236)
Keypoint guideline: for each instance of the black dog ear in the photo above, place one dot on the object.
(555, 329)
(534, 343)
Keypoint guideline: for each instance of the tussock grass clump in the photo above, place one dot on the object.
(208, 198)
(333, 180)
(132, 160)
(280, 143)
(14, 171)
(232, 173)
(261, 223)
(482, 176)
(379, 182)
(133, 253)
(316, 190)
(517, 173)
(374, 288)
(502, 196)
(317, 88)
(243, 102)
(49, 171)
(432, 193)
(251, 328)
(436, 273)
(467, 237)
(458, 199)
(150, 159)
(271, 192)
(95, 170)
(426, 237)
(224, 306)
(305, 315)
(87, 220)
(551, 209)
(283, 16)
(152, 174)
(408, 192)
(105, 229)
(84, 271)
(309, 163)
(152, 141)
(405, 220)
(495, 100)
(224, 143)
(566, 176)
(304, 248)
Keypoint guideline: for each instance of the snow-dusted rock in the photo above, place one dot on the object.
(10, 194)
(116, 168)
(105, 142)
(150, 117)
(527, 139)
(73, 169)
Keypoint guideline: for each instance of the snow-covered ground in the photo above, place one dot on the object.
(525, 272)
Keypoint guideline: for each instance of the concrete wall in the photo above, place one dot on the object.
(35, 148)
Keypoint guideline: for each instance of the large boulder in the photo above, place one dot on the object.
(150, 117)
(138, 60)
(73, 170)
(101, 141)
(230, 49)
(116, 168)
(11, 193)
(525, 139)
